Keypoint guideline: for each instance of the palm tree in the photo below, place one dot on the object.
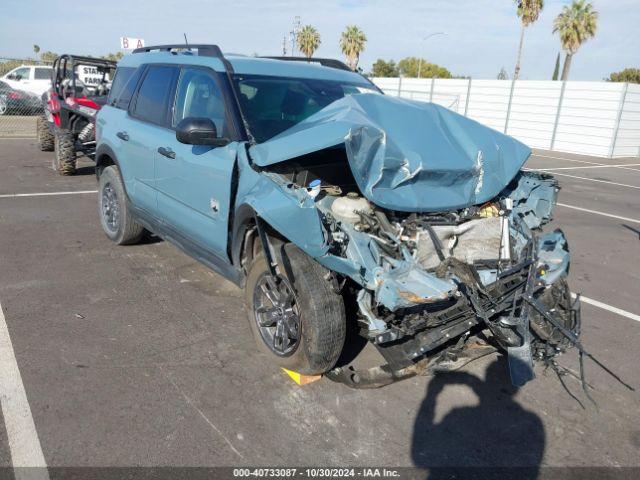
(36, 50)
(575, 25)
(352, 44)
(528, 12)
(308, 40)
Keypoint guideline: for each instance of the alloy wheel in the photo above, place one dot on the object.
(110, 207)
(276, 314)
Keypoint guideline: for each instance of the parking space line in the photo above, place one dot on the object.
(46, 194)
(587, 167)
(24, 444)
(583, 178)
(609, 308)
(596, 212)
(625, 166)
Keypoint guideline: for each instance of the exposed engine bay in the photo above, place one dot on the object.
(428, 279)
(430, 223)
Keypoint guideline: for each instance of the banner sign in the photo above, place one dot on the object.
(129, 43)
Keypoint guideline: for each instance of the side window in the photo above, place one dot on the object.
(124, 84)
(153, 95)
(43, 73)
(198, 95)
(21, 73)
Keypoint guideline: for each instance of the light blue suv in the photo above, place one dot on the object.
(342, 212)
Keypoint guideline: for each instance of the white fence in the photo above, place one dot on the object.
(591, 118)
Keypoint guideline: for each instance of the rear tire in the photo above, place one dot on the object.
(115, 217)
(64, 160)
(320, 323)
(46, 140)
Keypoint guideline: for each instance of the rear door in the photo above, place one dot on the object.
(141, 131)
(194, 182)
(41, 80)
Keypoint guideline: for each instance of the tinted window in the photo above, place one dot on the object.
(43, 73)
(151, 102)
(124, 84)
(198, 95)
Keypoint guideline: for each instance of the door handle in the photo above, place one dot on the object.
(123, 136)
(167, 152)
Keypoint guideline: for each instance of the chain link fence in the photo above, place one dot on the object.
(22, 83)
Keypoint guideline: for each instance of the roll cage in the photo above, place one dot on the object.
(64, 68)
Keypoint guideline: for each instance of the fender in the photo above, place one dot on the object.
(103, 152)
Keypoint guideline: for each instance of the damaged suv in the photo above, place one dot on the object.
(337, 207)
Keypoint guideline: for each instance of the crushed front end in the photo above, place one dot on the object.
(427, 282)
(430, 223)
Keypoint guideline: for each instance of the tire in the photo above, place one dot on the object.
(64, 160)
(318, 312)
(46, 139)
(115, 217)
(4, 107)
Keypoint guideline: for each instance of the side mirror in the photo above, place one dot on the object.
(199, 131)
(13, 76)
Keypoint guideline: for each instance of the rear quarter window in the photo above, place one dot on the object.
(123, 87)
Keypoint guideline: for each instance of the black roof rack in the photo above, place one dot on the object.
(202, 49)
(325, 62)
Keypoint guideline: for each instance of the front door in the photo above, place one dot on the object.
(194, 182)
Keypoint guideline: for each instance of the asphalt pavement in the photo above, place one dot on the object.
(140, 356)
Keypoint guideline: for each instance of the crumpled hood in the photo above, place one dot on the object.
(406, 155)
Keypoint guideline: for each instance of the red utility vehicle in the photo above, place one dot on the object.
(79, 88)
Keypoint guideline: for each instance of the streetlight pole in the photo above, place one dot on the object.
(424, 40)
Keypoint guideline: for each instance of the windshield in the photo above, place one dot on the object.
(272, 105)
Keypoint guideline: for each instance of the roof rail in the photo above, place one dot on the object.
(325, 62)
(202, 49)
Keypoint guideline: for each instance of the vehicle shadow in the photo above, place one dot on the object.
(86, 170)
(631, 229)
(497, 438)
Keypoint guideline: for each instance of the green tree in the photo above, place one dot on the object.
(528, 12)
(352, 43)
(113, 56)
(409, 67)
(502, 74)
(382, 68)
(9, 65)
(308, 40)
(48, 57)
(631, 75)
(556, 70)
(575, 24)
(36, 50)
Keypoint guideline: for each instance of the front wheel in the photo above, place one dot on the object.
(296, 317)
(115, 216)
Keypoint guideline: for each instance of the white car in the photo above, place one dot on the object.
(29, 78)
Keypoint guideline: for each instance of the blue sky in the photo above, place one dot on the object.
(482, 35)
